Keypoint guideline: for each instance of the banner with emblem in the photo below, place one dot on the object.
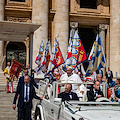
(46, 57)
(52, 62)
(69, 50)
(56, 57)
(40, 54)
(98, 57)
(78, 52)
(59, 57)
(15, 68)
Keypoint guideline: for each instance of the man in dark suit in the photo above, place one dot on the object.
(21, 79)
(26, 93)
(109, 76)
(67, 94)
(95, 92)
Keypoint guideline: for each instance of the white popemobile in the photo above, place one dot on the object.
(52, 108)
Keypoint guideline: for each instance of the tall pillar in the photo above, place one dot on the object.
(102, 28)
(115, 37)
(61, 24)
(40, 16)
(31, 49)
(1, 19)
(108, 46)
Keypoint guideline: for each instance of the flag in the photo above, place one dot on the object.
(38, 70)
(46, 57)
(91, 53)
(40, 54)
(98, 58)
(69, 50)
(15, 68)
(59, 57)
(78, 52)
(52, 62)
(56, 57)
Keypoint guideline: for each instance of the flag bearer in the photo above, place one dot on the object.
(8, 78)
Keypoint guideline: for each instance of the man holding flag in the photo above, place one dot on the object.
(7, 74)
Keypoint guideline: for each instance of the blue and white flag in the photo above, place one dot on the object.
(98, 57)
(52, 58)
(40, 54)
(45, 59)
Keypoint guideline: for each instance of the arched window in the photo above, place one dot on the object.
(90, 4)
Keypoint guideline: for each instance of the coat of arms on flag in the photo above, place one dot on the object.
(78, 52)
(56, 57)
(15, 68)
(98, 58)
(40, 54)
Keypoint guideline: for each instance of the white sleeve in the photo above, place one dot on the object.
(78, 79)
(62, 78)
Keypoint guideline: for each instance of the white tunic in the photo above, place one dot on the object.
(74, 78)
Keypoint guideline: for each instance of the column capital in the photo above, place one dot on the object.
(74, 25)
(103, 27)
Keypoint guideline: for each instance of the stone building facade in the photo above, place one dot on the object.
(57, 17)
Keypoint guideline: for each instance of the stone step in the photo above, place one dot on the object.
(8, 118)
(6, 101)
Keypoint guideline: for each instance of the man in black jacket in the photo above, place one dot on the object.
(21, 79)
(109, 76)
(26, 93)
(95, 92)
(67, 94)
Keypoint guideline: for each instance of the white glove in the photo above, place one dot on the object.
(7, 76)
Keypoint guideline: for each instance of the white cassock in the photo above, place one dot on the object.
(74, 78)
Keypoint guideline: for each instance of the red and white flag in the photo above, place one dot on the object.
(15, 68)
(69, 51)
(56, 57)
(40, 54)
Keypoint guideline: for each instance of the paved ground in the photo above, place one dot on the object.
(6, 111)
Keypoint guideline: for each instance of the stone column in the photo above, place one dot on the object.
(1, 19)
(40, 16)
(31, 49)
(102, 28)
(61, 24)
(115, 37)
(108, 46)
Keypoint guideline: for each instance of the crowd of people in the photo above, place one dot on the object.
(93, 91)
(74, 88)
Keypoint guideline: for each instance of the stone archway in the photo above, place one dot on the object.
(17, 51)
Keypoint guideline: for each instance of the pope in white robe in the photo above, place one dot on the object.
(70, 77)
